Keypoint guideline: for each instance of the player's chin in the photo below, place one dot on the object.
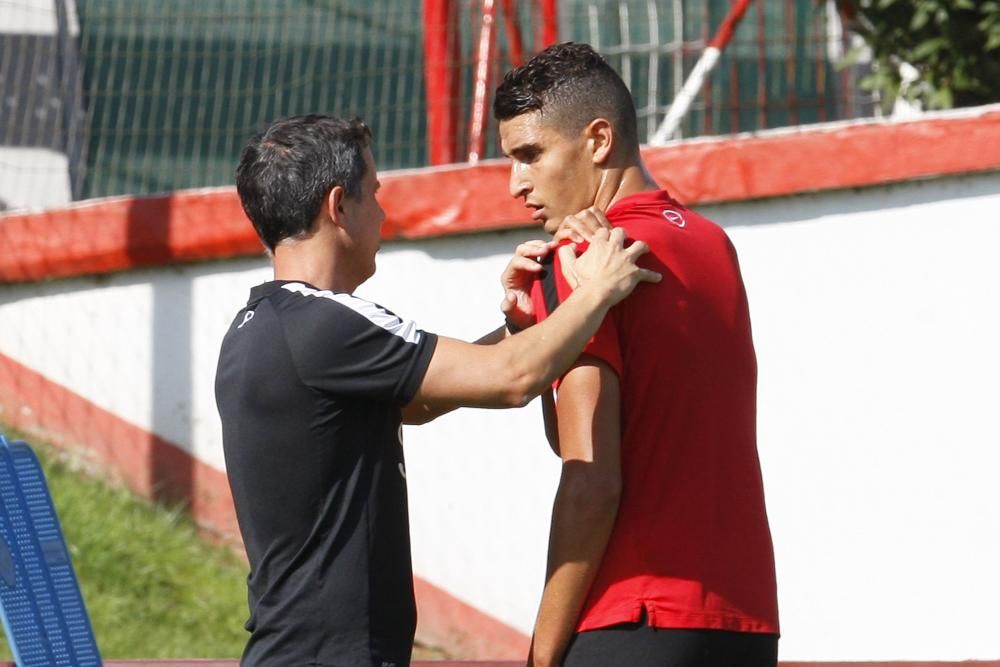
(551, 225)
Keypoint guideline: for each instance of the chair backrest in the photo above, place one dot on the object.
(44, 617)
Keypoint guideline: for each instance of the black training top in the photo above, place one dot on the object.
(309, 387)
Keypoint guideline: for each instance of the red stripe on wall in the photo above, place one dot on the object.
(156, 468)
(125, 233)
(445, 621)
(146, 463)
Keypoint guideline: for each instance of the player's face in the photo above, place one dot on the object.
(552, 172)
(365, 216)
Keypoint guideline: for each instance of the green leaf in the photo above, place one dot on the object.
(929, 48)
(852, 57)
(920, 19)
(942, 99)
(955, 45)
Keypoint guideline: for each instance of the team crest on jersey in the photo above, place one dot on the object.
(674, 218)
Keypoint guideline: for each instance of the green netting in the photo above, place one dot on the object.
(772, 74)
(162, 95)
(175, 87)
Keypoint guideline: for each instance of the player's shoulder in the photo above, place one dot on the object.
(656, 208)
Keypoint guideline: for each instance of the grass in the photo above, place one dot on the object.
(153, 587)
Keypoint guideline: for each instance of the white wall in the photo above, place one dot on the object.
(878, 334)
(875, 319)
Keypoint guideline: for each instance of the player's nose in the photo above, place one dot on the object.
(519, 185)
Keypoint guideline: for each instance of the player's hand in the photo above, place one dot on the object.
(516, 282)
(581, 226)
(607, 264)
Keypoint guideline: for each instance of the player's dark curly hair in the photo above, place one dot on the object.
(286, 171)
(571, 84)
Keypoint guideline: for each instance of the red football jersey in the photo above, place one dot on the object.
(691, 544)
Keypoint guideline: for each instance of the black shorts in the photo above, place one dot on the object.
(641, 645)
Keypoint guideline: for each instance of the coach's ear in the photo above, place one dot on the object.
(600, 140)
(335, 205)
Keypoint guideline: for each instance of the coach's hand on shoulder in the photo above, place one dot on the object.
(516, 282)
(607, 265)
(513, 370)
(581, 226)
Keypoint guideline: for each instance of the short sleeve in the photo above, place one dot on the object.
(606, 343)
(551, 289)
(350, 347)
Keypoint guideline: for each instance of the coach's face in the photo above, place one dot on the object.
(364, 218)
(552, 171)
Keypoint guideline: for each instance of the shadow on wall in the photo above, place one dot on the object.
(170, 470)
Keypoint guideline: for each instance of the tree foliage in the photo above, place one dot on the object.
(954, 46)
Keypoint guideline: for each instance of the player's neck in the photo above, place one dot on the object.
(620, 182)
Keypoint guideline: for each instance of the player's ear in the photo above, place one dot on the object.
(335, 205)
(600, 140)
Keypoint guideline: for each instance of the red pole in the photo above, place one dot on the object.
(761, 68)
(791, 29)
(441, 58)
(480, 93)
(733, 18)
(696, 79)
(550, 25)
(845, 73)
(706, 91)
(513, 33)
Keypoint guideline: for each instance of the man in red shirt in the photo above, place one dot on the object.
(660, 551)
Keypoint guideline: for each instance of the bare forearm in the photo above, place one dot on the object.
(579, 535)
(420, 412)
(518, 368)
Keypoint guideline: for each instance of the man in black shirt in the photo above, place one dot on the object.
(313, 384)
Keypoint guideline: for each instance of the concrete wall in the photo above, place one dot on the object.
(876, 325)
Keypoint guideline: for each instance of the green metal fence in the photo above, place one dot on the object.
(142, 96)
(175, 87)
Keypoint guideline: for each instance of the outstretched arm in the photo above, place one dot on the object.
(586, 503)
(518, 368)
(516, 306)
(418, 412)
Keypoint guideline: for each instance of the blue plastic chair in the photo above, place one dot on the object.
(43, 613)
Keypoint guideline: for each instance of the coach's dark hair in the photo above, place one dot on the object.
(286, 172)
(571, 84)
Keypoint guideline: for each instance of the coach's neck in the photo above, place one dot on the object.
(313, 260)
